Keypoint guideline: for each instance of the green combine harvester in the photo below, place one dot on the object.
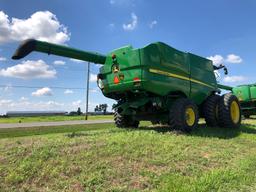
(246, 94)
(156, 83)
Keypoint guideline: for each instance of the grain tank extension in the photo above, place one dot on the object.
(246, 94)
(156, 83)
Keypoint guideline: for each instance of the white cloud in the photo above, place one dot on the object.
(68, 91)
(6, 91)
(3, 59)
(7, 88)
(59, 62)
(132, 25)
(152, 24)
(111, 26)
(77, 61)
(23, 99)
(216, 59)
(123, 3)
(232, 58)
(76, 103)
(234, 79)
(46, 91)
(5, 102)
(27, 105)
(98, 65)
(29, 70)
(51, 104)
(93, 77)
(94, 90)
(41, 25)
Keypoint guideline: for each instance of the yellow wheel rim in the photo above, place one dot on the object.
(235, 112)
(190, 116)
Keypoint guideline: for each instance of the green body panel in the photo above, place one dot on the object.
(161, 58)
(129, 67)
(201, 69)
(242, 93)
(253, 92)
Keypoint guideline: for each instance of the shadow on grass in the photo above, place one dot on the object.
(251, 117)
(204, 131)
(95, 133)
(31, 131)
(75, 130)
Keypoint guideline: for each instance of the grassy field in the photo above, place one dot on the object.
(104, 158)
(51, 118)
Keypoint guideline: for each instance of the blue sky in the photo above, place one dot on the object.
(223, 30)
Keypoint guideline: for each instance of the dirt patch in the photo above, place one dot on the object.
(75, 149)
(131, 173)
(80, 147)
(23, 142)
(76, 187)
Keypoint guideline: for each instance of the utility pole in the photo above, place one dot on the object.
(87, 91)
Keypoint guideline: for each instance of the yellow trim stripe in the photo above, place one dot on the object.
(178, 76)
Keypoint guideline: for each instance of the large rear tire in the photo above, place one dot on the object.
(210, 110)
(125, 121)
(154, 122)
(247, 116)
(183, 115)
(229, 111)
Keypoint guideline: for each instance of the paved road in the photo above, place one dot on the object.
(56, 123)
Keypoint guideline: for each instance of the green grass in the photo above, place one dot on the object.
(51, 118)
(104, 158)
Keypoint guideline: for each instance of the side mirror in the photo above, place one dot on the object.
(225, 70)
(220, 67)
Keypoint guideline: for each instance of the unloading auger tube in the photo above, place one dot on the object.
(29, 45)
(225, 87)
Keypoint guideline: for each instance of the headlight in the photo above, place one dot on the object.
(100, 83)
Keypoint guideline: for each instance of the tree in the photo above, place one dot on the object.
(79, 111)
(104, 108)
(101, 108)
(96, 109)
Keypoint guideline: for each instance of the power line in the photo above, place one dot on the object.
(35, 87)
(57, 68)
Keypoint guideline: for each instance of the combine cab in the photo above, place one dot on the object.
(156, 83)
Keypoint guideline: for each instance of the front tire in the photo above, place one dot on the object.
(183, 115)
(229, 111)
(210, 110)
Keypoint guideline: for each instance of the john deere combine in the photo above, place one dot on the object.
(156, 83)
(246, 95)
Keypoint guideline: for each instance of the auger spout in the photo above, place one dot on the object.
(30, 45)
